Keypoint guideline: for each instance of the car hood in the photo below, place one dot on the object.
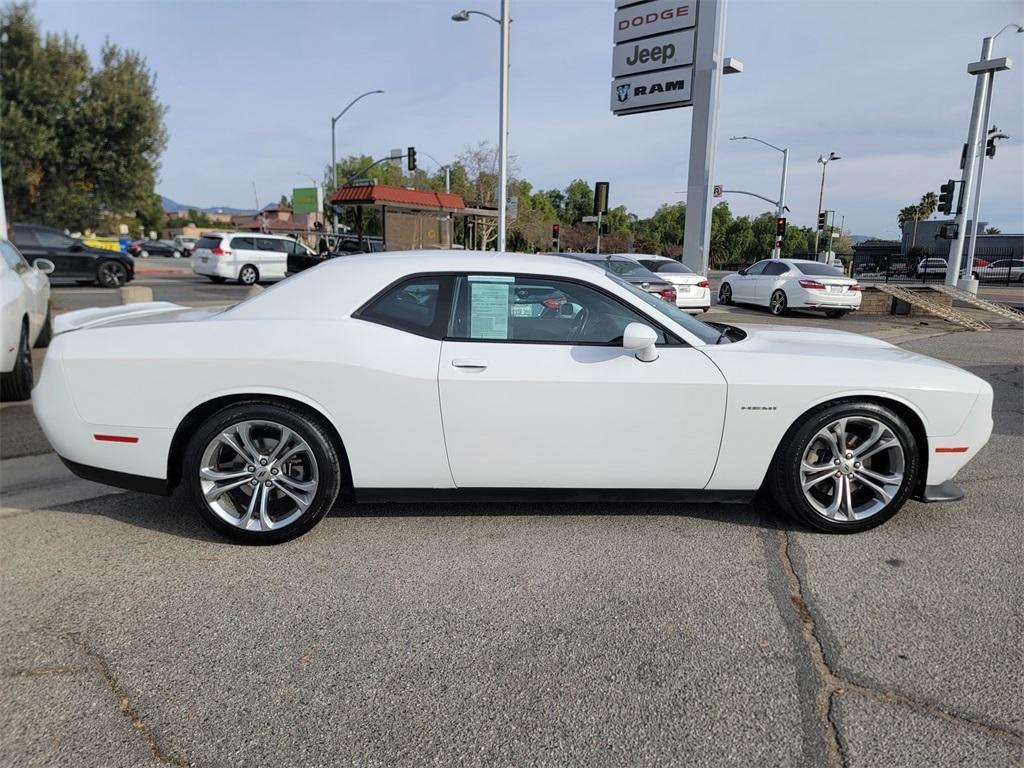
(131, 314)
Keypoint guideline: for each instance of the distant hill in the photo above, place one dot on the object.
(174, 205)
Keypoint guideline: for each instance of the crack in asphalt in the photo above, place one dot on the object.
(124, 705)
(832, 684)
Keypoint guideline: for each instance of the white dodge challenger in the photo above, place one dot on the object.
(457, 375)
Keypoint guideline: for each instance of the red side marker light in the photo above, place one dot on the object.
(116, 438)
(959, 449)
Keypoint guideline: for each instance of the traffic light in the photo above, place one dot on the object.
(780, 226)
(410, 155)
(948, 231)
(554, 236)
(601, 197)
(990, 148)
(822, 220)
(946, 197)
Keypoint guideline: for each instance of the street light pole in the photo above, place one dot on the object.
(777, 249)
(984, 70)
(334, 159)
(504, 23)
(821, 195)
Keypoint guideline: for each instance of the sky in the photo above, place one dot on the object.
(250, 88)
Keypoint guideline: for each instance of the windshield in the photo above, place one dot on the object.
(625, 268)
(704, 332)
(667, 267)
(812, 268)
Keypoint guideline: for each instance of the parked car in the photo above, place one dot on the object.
(693, 292)
(630, 270)
(72, 259)
(1004, 269)
(143, 249)
(931, 267)
(186, 244)
(247, 257)
(784, 284)
(24, 318)
(394, 378)
(331, 246)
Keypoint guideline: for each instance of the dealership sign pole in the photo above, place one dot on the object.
(669, 54)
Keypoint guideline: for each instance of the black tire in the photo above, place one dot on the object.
(779, 304)
(17, 385)
(111, 274)
(836, 313)
(43, 339)
(784, 476)
(248, 275)
(311, 430)
(216, 279)
(85, 282)
(974, 276)
(725, 294)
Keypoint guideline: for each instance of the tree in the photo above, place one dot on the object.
(79, 142)
(929, 203)
(993, 231)
(579, 201)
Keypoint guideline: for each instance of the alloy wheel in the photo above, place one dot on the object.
(852, 468)
(247, 276)
(724, 294)
(112, 274)
(258, 475)
(778, 304)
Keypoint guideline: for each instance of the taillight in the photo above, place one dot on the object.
(703, 284)
(220, 252)
(668, 294)
(812, 284)
(854, 287)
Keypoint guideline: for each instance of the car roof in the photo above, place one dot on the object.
(443, 260)
(647, 256)
(595, 256)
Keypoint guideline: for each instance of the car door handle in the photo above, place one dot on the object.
(469, 362)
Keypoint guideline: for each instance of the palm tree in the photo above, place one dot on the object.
(993, 231)
(924, 209)
(907, 213)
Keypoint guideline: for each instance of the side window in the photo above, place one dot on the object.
(243, 243)
(53, 239)
(14, 259)
(540, 310)
(24, 236)
(272, 244)
(757, 268)
(418, 305)
(776, 268)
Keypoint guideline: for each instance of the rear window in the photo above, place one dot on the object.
(624, 268)
(824, 270)
(208, 242)
(668, 267)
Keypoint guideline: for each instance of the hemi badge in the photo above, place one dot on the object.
(952, 450)
(119, 438)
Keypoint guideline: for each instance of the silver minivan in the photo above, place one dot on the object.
(247, 257)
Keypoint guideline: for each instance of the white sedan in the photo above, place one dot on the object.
(25, 298)
(427, 375)
(693, 291)
(785, 284)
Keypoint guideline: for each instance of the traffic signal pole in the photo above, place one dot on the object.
(777, 250)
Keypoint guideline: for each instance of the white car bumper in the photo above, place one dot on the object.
(947, 454)
(817, 299)
(205, 265)
(693, 297)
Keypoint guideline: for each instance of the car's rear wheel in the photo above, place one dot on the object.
(262, 472)
(216, 279)
(248, 275)
(974, 276)
(17, 385)
(846, 467)
(144, 254)
(46, 333)
(779, 305)
(176, 254)
(725, 294)
(111, 274)
(835, 313)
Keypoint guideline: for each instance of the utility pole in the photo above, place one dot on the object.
(503, 131)
(821, 193)
(984, 70)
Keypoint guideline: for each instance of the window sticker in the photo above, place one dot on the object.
(489, 308)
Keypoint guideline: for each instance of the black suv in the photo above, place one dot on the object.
(73, 259)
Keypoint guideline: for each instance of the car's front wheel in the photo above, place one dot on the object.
(111, 274)
(46, 332)
(176, 254)
(845, 467)
(143, 254)
(262, 472)
(725, 294)
(778, 304)
(17, 384)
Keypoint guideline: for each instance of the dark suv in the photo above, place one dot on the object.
(73, 259)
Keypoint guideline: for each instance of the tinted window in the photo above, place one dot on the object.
(624, 267)
(418, 305)
(538, 309)
(776, 268)
(270, 244)
(12, 257)
(25, 236)
(667, 267)
(208, 242)
(244, 243)
(702, 331)
(50, 239)
(758, 268)
(824, 270)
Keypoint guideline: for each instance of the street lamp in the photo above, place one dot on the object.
(334, 160)
(503, 23)
(821, 194)
(777, 250)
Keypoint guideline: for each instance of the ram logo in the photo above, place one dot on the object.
(622, 92)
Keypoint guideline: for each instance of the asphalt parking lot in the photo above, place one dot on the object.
(517, 634)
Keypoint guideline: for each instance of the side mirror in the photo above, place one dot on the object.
(44, 265)
(742, 271)
(642, 338)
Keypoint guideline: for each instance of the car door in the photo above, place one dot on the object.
(744, 287)
(33, 286)
(537, 391)
(765, 284)
(244, 251)
(70, 256)
(273, 256)
(27, 242)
